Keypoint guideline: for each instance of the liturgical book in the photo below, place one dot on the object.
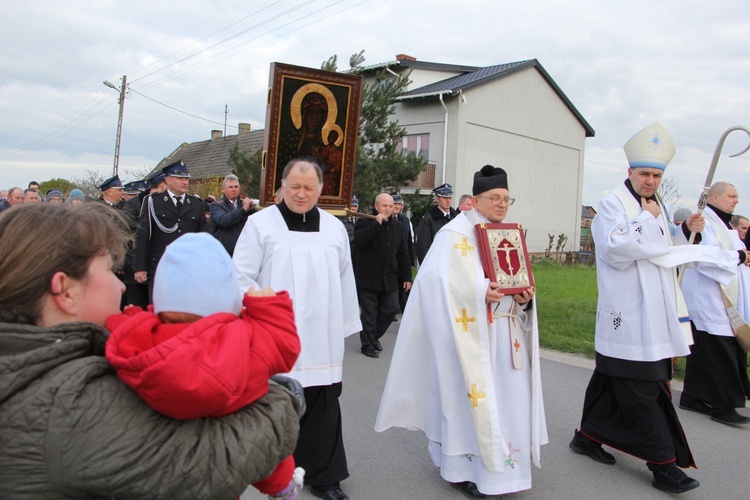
(502, 248)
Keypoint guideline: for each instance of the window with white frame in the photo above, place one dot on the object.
(417, 144)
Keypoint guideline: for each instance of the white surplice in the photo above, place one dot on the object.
(636, 316)
(484, 419)
(316, 269)
(702, 282)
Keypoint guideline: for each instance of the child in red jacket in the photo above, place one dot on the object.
(206, 354)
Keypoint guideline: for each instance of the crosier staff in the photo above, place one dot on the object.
(703, 200)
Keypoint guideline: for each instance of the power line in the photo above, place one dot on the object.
(204, 63)
(179, 110)
(97, 104)
(199, 41)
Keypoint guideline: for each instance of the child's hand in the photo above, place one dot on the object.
(266, 292)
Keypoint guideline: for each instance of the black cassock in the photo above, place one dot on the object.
(716, 371)
(628, 406)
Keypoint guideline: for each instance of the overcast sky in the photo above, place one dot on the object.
(623, 64)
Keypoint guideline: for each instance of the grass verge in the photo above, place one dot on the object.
(566, 298)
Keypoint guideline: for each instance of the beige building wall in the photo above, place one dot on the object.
(518, 123)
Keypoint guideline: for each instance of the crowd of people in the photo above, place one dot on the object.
(120, 377)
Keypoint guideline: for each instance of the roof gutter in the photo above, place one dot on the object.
(445, 136)
(430, 94)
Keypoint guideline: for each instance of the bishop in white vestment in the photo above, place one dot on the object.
(640, 321)
(473, 387)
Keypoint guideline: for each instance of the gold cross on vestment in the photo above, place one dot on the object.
(516, 344)
(463, 246)
(474, 395)
(464, 320)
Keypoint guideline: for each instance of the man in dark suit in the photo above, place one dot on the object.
(383, 268)
(165, 217)
(399, 215)
(230, 212)
(137, 293)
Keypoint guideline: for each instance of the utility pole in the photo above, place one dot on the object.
(226, 112)
(121, 90)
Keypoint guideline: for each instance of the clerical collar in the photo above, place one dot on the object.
(637, 197)
(309, 222)
(724, 216)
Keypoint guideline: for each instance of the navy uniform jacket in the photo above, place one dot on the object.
(151, 240)
(404, 220)
(428, 227)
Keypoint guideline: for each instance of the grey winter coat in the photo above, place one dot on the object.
(69, 428)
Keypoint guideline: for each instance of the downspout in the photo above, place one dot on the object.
(445, 137)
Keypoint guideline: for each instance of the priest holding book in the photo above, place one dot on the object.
(465, 368)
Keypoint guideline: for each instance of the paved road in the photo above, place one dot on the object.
(395, 464)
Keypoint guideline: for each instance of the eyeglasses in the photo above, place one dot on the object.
(498, 200)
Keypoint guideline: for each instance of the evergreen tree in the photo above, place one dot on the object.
(380, 166)
(246, 166)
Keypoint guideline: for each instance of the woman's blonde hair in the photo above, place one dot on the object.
(39, 240)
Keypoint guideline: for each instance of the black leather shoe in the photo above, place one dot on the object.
(334, 494)
(585, 446)
(370, 353)
(378, 347)
(690, 404)
(469, 490)
(729, 417)
(671, 478)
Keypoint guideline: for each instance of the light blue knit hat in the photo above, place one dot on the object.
(191, 262)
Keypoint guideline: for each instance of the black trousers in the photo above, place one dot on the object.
(377, 310)
(320, 446)
(637, 417)
(136, 294)
(714, 373)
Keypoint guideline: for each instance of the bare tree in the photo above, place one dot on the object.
(89, 182)
(669, 192)
(134, 173)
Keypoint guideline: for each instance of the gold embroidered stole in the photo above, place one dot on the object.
(471, 335)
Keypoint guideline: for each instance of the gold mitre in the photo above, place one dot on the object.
(652, 147)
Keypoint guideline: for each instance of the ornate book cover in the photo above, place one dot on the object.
(502, 248)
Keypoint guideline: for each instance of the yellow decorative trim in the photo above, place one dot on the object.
(464, 320)
(463, 246)
(474, 395)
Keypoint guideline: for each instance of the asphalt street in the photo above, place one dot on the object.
(395, 464)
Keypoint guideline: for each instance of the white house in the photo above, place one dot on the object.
(512, 116)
